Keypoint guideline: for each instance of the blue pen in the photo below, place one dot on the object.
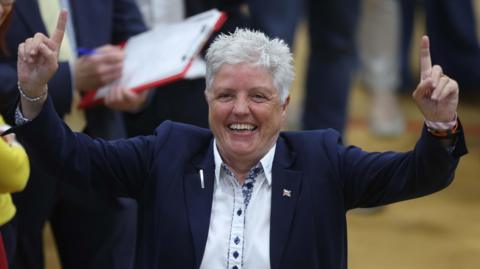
(85, 51)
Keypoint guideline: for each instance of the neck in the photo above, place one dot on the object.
(240, 165)
(240, 168)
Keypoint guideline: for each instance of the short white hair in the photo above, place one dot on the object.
(255, 48)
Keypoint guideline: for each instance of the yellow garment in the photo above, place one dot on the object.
(14, 172)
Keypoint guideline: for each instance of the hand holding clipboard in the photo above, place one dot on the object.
(161, 55)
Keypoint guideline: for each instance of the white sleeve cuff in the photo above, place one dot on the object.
(441, 125)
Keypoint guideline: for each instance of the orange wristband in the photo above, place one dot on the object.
(449, 133)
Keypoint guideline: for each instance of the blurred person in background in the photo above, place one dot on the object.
(14, 172)
(453, 27)
(14, 165)
(276, 18)
(332, 28)
(90, 232)
(332, 52)
(379, 51)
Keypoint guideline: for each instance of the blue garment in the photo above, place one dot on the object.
(332, 26)
(90, 232)
(276, 18)
(308, 226)
(454, 45)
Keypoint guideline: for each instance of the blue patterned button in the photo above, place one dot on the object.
(235, 267)
(236, 240)
(235, 254)
(239, 212)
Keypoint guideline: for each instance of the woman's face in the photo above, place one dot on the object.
(5, 8)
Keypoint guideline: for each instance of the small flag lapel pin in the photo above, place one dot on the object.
(287, 193)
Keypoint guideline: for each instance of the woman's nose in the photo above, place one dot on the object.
(241, 106)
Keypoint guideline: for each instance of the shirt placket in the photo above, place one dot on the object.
(241, 197)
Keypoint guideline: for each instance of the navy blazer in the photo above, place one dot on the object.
(308, 229)
(96, 23)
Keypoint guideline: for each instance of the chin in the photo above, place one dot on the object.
(241, 150)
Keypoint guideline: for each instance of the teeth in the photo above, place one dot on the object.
(241, 127)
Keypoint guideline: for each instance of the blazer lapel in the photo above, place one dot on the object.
(285, 191)
(199, 200)
(29, 12)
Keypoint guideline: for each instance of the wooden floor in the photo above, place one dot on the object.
(441, 231)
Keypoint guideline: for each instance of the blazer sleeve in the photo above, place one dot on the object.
(378, 178)
(106, 168)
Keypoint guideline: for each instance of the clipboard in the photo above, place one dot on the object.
(161, 55)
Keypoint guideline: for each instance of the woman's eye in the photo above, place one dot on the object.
(259, 98)
(224, 97)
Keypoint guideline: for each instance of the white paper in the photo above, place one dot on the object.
(198, 69)
(165, 51)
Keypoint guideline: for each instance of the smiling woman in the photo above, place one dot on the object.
(248, 81)
(245, 115)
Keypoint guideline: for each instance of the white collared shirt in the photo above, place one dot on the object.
(239, 235)
(161, 11)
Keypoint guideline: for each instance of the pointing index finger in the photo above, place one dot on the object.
(57, 35)
(425, 59)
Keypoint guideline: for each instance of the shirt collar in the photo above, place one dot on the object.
(266, 161)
